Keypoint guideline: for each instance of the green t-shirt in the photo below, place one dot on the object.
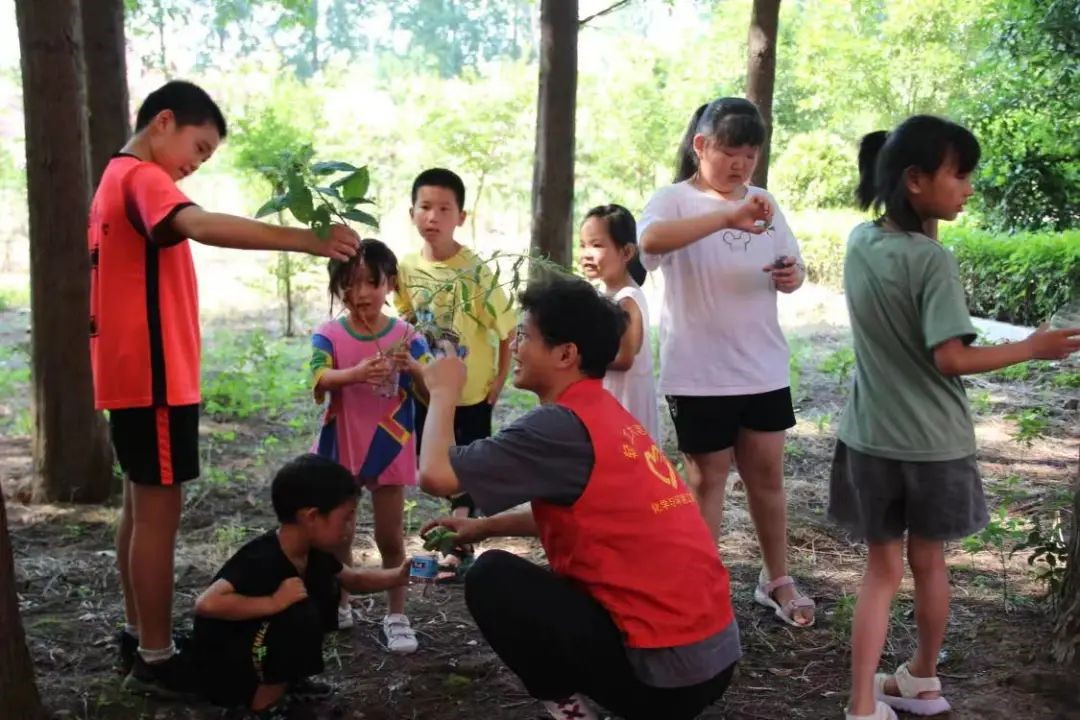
(904, 298)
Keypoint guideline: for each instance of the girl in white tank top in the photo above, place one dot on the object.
(609, 255)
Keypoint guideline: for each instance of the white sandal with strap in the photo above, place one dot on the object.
(881, 712)
(763, 595)
(910, 688)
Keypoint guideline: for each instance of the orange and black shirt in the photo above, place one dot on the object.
(144, 303)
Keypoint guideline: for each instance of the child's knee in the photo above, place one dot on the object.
(886, 567)
(927, 558)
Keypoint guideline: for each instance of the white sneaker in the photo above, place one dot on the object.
(574, 707)
(345, 619)
(400, 637)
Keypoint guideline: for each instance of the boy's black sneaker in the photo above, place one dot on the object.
(172, 679)
(128, 646)
(308, 690)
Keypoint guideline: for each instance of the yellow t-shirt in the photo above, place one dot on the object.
(456, 291)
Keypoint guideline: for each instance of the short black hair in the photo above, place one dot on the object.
(440, 177)
(310, 481)
(923, 142)
(375, 256)
(730, 121)
(189, 103)
(567, 309)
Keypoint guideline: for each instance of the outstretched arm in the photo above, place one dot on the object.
(231, 231)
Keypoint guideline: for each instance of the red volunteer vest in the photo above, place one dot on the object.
(635, 539)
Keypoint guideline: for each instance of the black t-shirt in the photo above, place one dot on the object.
(257, 570)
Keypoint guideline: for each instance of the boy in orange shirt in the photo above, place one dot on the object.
(145, 348)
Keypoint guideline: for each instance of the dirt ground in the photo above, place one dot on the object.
(994, 665)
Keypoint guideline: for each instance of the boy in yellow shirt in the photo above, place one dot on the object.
(431, 280)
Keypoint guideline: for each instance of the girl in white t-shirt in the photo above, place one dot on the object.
(609, 254)
(725, 249)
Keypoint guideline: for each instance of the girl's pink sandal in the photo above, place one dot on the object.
(910, 687)
(763, 595)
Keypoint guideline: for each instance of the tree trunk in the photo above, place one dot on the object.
(1067, 627)
(19, 699)
(553, 170)
(72, 454)
(761, 74)
(106, 81)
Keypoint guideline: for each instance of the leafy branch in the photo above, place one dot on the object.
(317, 193)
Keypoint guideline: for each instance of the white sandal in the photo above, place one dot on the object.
(881, 712)
(763, 595)
(910, 687)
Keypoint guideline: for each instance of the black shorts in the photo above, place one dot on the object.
(711, 423)
(157, 445)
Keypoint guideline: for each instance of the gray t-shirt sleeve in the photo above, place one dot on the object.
(942, 305)
(545, 454)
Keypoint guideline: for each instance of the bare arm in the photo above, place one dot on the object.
(230, 231)
(632, 339)
(666, 236)
(516, 523)
(437, 476)
(953, 357)
(371, 580)
(513, 523)
(221, 601)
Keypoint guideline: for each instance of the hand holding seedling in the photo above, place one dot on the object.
(458, 531)
(372, 370)
(752, 214)
(445, 375)
(290, 592)
(341, 243)
(440, 539)
(1047, 344)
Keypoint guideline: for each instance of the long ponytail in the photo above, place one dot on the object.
(869, 150)
(686, 161)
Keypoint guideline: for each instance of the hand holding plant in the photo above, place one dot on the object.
(1047, 344)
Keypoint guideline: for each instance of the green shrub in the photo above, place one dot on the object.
(822, 238)
(817, 170)
(1021, 278)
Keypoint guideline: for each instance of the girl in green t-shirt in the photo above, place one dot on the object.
(905, 456)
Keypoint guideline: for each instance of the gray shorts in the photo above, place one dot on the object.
(877, 499)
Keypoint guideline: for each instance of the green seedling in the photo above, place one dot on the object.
(440, 539)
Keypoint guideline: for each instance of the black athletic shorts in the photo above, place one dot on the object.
(711, 423)
(157, 445)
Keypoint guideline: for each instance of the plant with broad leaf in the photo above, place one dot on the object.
(441, 301)
(318, 193)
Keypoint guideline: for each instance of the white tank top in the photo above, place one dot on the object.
(636, 388)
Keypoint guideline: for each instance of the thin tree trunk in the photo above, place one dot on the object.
(106, 81)
(19, 699)
(553, 171)
(1067, 627)
(72, 454)
(761, 74)
(161, 36)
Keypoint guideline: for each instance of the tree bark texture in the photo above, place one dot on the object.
(1067, 627)
(72, 453)
(553, 169)
(761, 74)
(19, 699)
(106, 81)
